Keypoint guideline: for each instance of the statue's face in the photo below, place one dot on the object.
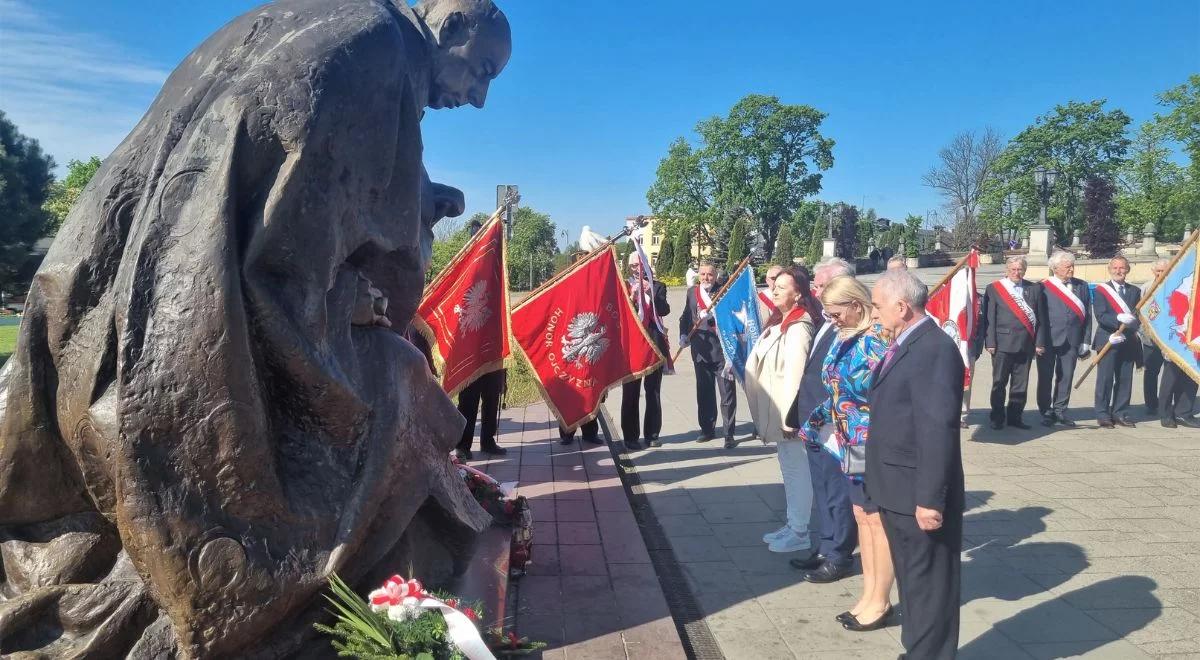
(467, 60)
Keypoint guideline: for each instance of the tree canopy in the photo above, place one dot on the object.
(758, 162)
(25, 180)
(64, 194)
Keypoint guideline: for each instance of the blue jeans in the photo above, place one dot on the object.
(831, 493)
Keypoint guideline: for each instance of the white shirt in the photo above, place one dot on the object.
(689, 278)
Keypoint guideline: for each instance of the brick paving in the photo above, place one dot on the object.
(1078, 543)
(591, 591)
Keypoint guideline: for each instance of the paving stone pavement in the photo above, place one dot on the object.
(1077, 542)
(591, 591)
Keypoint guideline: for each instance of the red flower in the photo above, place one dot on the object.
(513, 641)
(470, 612)
(452, 602)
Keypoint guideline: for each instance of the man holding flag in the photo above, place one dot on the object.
(1066, 315)
(1116, 323)
(649, 299)
(1012, 340)
(708, 358)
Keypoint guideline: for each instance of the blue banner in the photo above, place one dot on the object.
(1166, 316)
(738, 326)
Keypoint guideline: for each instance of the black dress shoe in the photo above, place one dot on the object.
(1126, 422)
(1019, 424)
(808, 563)
(654, 442)
(1188, 422)
(730, 443)
(566, 441)
(494, 450)
(997, 425)
(1169, 423)
(633, 445)
(1048, 420)
(1062, 420)
(464, 454)
(704, 438)
(825, 573)
(593, 440)
(854, 625)
(1107, 424)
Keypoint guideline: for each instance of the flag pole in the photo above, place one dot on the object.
(569, 269)
(1146, 295)
(957, 267)
(721, 292)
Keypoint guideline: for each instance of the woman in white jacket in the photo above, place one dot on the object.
(773, 372)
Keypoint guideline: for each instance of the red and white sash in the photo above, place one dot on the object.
(1114, 298)
(703, 299)
(766, 300)
(1017, 305)
(1066, 295)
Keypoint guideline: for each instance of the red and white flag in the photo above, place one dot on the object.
(581, 337)
(955, 305)
(464, 312)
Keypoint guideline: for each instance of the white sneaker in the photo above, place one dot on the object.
(770, 537)
(792, 542)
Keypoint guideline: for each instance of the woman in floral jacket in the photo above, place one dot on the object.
(841, 424)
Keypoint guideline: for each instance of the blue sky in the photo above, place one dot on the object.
(596, 90)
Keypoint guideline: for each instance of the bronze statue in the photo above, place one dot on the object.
(206, 414)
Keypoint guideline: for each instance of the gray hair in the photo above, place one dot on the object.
(897, 260)
(1060, 257)
(836, 266)
(1161, 262)
(1120, 257)
(906, 286)
(1018, 259)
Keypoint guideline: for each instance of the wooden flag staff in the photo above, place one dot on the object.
(721, 292)
(957, 267)
(1145, 299)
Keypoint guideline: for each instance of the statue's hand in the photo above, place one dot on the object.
(370, 305)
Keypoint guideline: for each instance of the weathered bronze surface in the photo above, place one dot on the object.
(211, 407)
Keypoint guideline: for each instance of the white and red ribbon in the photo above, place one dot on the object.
(1114, 298)
(1017, 304)
(1066, 295)
(404, 600)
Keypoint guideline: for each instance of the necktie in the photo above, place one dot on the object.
(888, 355)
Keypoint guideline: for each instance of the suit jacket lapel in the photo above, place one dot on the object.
(882, 372)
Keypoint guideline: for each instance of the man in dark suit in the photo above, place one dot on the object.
(1115, 306)
(1066, 315)
(831, 492)
(649, 299)
(486, 392)
(914, 465)
(1012, 340)
(708, 358)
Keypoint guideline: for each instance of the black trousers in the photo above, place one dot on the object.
(1010, 375)
(1178, 393)
(1114, 385)
(831, 497)
(631, 395)
(1153, 365)
(928, 576)
(591, 431)
(708, 375)
(486, 389)
(1056, 370)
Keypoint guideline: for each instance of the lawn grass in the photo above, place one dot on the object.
(8, 341)
(522, 383)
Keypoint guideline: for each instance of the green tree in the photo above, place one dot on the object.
(64, 194)
(1182, 124)
(683, 254)
(847, 232)
(449, 238)
(1102, 237)
(666, 256)
(758, 162)
(818, 231)
(1079, 140)
(25, 180)
(737, 246)
(1150, 185)
(532, 249)
(785, 254)
(912, 235)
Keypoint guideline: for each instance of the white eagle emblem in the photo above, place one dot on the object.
(584, 340)
(473, 312)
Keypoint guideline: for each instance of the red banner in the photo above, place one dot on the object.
(464, 313)
(581, 336)
(955, 306)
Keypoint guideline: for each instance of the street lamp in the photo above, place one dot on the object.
(1044, 179)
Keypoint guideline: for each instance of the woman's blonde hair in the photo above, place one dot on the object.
(846, 290)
